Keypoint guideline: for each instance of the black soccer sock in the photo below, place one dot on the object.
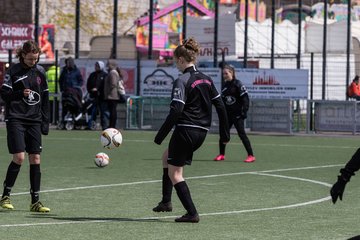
(11, 175)
(184, 195)
(167, 186)
(35, 179)
(222, 147)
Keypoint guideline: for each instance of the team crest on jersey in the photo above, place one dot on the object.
(32, 99)
(7, 79)
(38, 80)
(230, 100)
(177, 93)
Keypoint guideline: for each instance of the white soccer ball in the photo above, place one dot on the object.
(111, 138)
(101, 159)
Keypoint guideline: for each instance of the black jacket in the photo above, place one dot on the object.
(35, 107)
(96, 80)
(192, 97)
(236, 98)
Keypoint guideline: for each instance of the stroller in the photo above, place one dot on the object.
(77, 110)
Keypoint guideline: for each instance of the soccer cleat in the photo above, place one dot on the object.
(219, 157)
(6, 203)
(188, 218)
(163, 207)
(39, 207)
(250, 159)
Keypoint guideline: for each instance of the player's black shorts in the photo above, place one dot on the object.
(183, 143)
(23, 137)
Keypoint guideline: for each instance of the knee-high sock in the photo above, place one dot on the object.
(35, 179)
(167, 186)
(11, 175)
(222, 147)
(184, 195)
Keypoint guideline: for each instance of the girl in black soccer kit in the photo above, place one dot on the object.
(26, 95)
(192, 97)
(236, 101)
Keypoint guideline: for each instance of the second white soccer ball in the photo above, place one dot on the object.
(101, 159)
(111, 138)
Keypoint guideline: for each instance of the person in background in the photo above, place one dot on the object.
(193, 95)
(26, 95)
(352, 166)
(70, 78)
(111, 94)
(354, 89)
(236, 99)
(95, 88)
(52, 81)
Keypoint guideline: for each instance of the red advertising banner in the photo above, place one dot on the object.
(46, 40)
(14, 35)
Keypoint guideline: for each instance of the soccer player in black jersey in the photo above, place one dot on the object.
(352, 166)
(236, 101)
(26, 95)
(193, 95)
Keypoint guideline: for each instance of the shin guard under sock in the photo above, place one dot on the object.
(11, 175)
(183, 193)
(35, 178)
(167, 186)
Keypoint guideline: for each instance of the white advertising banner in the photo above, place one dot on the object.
(261, 83)
(157, 82)
(275, 83)
(203, 31)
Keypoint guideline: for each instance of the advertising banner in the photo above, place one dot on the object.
(260, 83)
(275, 83)
(158, 82)
(203, 31)
(14, 35)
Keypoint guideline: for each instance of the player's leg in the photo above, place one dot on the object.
(240, 127)
(165, 204)
(33, 147)
(16, 146)
(188, 140)
(184, 195)
(222, 146)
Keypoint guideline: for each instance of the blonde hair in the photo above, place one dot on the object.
(189, 50)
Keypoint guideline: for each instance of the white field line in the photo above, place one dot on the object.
(211, 143)
(195, 177)
(262, 173)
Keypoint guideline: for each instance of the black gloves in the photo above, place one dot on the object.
(44, 128)
(338, 188)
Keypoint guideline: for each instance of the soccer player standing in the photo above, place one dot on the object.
(192, 97)
(26, 95)
(236, 101)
